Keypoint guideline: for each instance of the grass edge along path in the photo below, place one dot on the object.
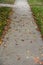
(5, 13)
(5, 20)
(37, 14)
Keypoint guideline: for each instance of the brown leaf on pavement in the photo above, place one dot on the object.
(36, 59)
(1, 41)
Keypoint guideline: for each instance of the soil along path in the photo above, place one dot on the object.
(22, 42)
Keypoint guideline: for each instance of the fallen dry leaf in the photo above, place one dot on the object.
(6, 28)
(27, 57)
(18, 58)
(41, 54)
(4, 45)
(36, 59)
(28, 51)
(41, 62)
(0, 41)
(37, 29)
(16, 44)
(22, 39)
(30, 32)
(30, 41)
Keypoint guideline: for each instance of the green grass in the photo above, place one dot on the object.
(7, 1)
(4, 15)
(37, 12)
(35, 2)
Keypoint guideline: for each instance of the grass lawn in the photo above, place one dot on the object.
(37, 9)
(4, 16)
(7, 1)
(35, 2)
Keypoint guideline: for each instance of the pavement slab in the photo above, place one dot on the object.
(23, 41)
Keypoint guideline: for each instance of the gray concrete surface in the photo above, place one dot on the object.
(22, 42)
(6, 5)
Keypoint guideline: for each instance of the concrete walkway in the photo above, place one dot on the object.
(6, 5)
(22, 42)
